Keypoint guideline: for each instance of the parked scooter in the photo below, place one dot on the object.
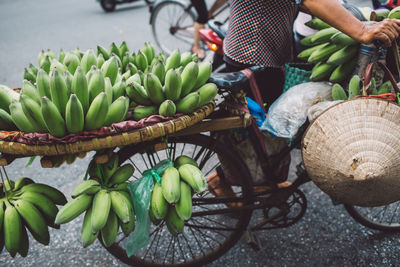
(109, 5)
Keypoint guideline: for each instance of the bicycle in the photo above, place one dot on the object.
(172, 24)
(217, 223)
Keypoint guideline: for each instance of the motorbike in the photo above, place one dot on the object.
(109, 5)
(213, 37)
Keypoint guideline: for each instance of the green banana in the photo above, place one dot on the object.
(110, 69)
(159, 70)
(87, 235)
(33, 114)
(132, 68)
(45, 64)
(6, 121)
(342, 39)
(88, 60)
(120, 207)
(68, 81)
(110, 167)
(317, 24)
(28, 75)
(123, 48)
(56, 196)
(55, 65)
(183, 159)
(205, 69)
(119, 89)
(33, 220)
(170, 185)
(54, 121)
(43, 83)
(19, 118)
(189, 77)
(42, 203)
(193, 176)
(174, 223)
(61, 55)
(97, 112)
(173, 60)
(122, 174)
(30, 90)
(100, 61)
(385, 88)
(306, 53)
(207, 93)
(167, 108)
(153, 219)
(338, 92)
(127, 228)
(110, 230)
(173, 85)
(134, 78)
(189, 103)
(101, 210)
(306, 41)
(80, 88)
(73, 209)
(154, 88)
(144, 112)
(323, 53)
(354, 87)
(88, 187)
(108, 90)
(138, 93)
(8, 185)
(141, 61)
(372, 88)
(24, 243)
(184, 206)
(102, 51)
(343, 71)
(74, 115)
(117, 111)
(381, 14)
(12, 227)
(323, 36)
(7, 96)
(96, 84)
(58, 91)
(21, 182)
(71, 61)
(321, 71)
(186, 58)
(158, 204)
(115, 49)
(343, 55)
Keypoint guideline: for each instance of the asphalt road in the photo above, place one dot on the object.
(326, 235)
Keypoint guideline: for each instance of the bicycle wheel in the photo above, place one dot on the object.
(210, 232)
(383, 218)
(172, 26)
(108, 5)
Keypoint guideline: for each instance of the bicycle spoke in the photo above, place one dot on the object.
(394, 214)
(166, 253)
(173, 250)
(149, 248)
(180, 249)
(188, 245)
(208, 228)
(198, 243)
(136, 167)
(202, 235)
(144, 161)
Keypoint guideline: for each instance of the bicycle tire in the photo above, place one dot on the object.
(172, 26)
(204, 148)
(384, 218)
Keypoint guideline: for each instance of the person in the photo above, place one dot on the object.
(261, 33)
(202, 17)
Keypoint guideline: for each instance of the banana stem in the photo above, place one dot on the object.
(2, 179)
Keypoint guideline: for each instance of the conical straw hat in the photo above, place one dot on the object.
(352, 152)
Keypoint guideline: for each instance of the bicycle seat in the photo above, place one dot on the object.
(218, 27)
(234, 81)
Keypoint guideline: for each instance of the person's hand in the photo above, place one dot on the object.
(385, 31)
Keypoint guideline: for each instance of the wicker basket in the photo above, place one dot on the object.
(352, 152)
(121, 139)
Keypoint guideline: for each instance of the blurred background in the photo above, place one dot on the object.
(326, 236)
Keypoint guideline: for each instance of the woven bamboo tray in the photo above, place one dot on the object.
(122, 139)
(352, 152)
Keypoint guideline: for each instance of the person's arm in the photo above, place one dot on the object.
(333, 13)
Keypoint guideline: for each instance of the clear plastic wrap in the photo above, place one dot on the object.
(320, 107)
(289, 112)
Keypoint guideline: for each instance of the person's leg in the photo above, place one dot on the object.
(202, 17)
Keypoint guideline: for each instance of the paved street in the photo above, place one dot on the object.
(326, 235)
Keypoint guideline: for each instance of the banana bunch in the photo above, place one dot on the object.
(356, 87)
(60, 103)
(25, 204)
(333, 52)
(172, 199)
(105, 200)
(165, 86)
(7, 96)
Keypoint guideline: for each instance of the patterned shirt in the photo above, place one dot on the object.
(261, 32)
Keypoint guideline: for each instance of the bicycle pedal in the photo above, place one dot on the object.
(252, 240)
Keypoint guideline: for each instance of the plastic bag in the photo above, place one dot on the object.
(320, 107)
(140, 191)
(289, 112)
(256, 111)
